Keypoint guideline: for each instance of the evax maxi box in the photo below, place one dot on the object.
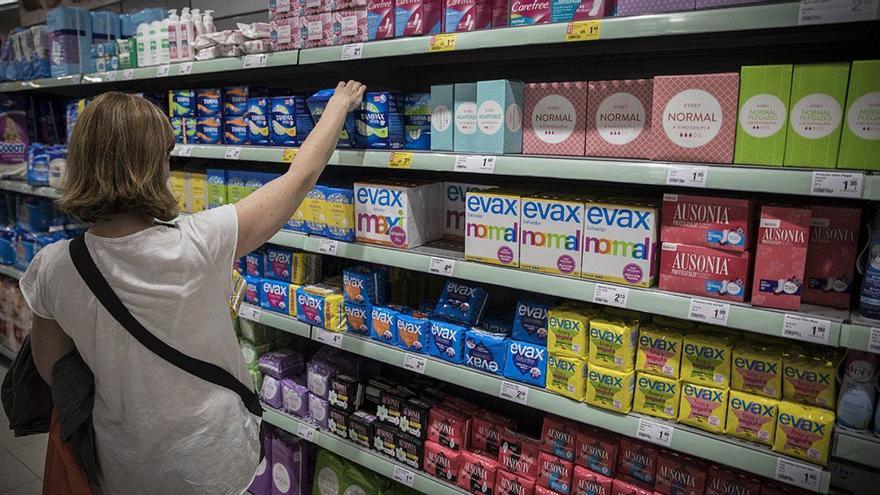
(763, 110)
(397, 214)
(818, 92)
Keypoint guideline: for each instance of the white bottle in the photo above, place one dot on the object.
(198, 23)
(163, 43)
(208, 20)
(154, 42)
(143, 44)
(185, 36)
(173, 27)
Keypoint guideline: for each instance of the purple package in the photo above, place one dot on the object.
(319, 410)
(262, 484)
(639, 7)
(13, 132)
(291, 465)
(282, 363)
(270, 392)
(295, 398)
(320, 372)
(709, 4)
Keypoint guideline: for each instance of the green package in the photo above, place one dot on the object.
(860, 140)
(216, 187)
(127, 49)
(361, 481)
(252, 353)
(818, 93)
(330, 475)
(763, 110)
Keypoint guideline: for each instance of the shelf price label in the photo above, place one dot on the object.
(328, 247)
(305, 432)
(687, 176)
(184, 150)
(163, 70)
(442, 43)
(232, 153)
(353, 51)
(477, 164)
(798, 474)
(288, 154)
(654, 432)
(837, 184)
(832, 11)
(255, 60)
(806, 328)
(441, 266)
(610, 295)
(333, 339)
(185, 69)
(403, 475)
(128, 74)
(514, 392)
(874, 340)
(250, 312)
(400, 159)
(414, 362)
(583, 30)
(708, 311)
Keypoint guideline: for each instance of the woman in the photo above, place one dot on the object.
(157, 428)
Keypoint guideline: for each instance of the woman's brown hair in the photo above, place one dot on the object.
(117, 160)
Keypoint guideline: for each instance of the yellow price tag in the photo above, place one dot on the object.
(400, 159)
(583, 30)
(288, 154)
(442, 42)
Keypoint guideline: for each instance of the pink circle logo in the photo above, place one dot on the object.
(632, 273)
(397, 236)
(565, 263)
(505, 255)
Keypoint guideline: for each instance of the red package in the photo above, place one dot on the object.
(461, 405)
(587, 482)
(448, 427)
(476, 473)
(725, 481)
(621, 487)
(559, 437)
(486, 428)
(680, 475)
(597, 450)
(519, 454)
(637, 462)
(441, 462)
(507, 483)
(556, 473)
(770, 487)
(540, 490)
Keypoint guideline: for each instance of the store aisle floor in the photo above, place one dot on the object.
(21, 459)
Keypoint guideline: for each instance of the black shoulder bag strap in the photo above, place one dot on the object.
(209, 372)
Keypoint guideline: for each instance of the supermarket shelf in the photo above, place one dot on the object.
(288, 324)
(7, 352)
(9, 271)
(367, 458)
(49, 82)
(857, 333)
(23, 187)
(861, 448)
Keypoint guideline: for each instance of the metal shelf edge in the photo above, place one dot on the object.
(861, 448)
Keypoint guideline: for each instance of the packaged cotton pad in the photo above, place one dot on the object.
(485, 351)
(358, 318)
(384, 325)
(270, 393)
(363, 285)
(319, 375)
(461, 302)
(526, 363)
(447, 341)
(319, 410)
(282, 363)
(295, 398)
(530, 321)
(413, 332)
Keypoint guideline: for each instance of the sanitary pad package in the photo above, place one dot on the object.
(289, 266)
(441, 462)
(554, 118)
(321, 305)
(454, 207)
(447, 341)
(559, 437)
(752, 417)
(619, 118)
(461, 302)
(485, 351)
(804, 432)
(363, 285)
(637, 461)
(706, 360)
(397, 214)
(703, 407)
(413, 332)
(384, 324)
(704, 271)
(716, 222)
(610, 389)
(567, 376)
(568, 331)
(526, 363)
(530, 322)
(659, 350)
(656, 396)
(620, 243)
(275, 296)
(831, 255)
(613, 342)
(781, 256)
(417, 17)
(597, 450)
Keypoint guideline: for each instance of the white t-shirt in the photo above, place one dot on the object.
(158, 429)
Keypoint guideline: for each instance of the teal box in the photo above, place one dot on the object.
(464, 118)
(499, 116)
(441, 117)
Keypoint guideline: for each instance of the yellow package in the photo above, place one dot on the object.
(659, 350)
(306, 268)
(321, 305)
(199, 189)
(804, 432)
(656, 396)
(567, 331)
(705, 359)
(566, 375)
(703, 407)
(613, 343)
(178, 188)
(757, 369)
(610, 389)
(667, 322)
(752, 417)
(809, 380)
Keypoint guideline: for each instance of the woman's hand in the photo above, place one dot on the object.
(347, 96)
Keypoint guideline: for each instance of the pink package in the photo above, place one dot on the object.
(638, 461)
(529, 12)
(716, 222)
(587, 482)
(639, 7)
(519, 454)
(476, 473)
(555, 118)
(556, 474)
(486, 429)
(314, 6)
(678, 474)
(380, 19)
(285, 9)
(283, 34)
(725, 481)
(313, 30)
(597, 450)
(619, 118)
(831, 256)
(441, 462)
(334, 5)
(499, 13)
(417, 17)
(511, 484)
(448, 427)
(621, 487)
(540, 490)
(708, 4)
(461, 405)
(694, 117)
(705, 272)
(467, 15)
(559, 437)
(781, 256)
(348, 26)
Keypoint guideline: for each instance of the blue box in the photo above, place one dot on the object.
(255, 263)
(318, 102)
(442, 104)
(258, 129)
(499, 116)
(275, 296)
(105, 26)
(339, 213)
(358, 318)
(413, 333)
(461, 302)
(485, 351)
(417, 121)
(70, 30)
(383, 325)
(253, 290)
(182, 103)
(278, 263)
(235, 100)
(235, 130)
(526, 362)
(209, 102)
(380, 121)
(209, 130)
(289, 121)
(464, 117)
(447, 341)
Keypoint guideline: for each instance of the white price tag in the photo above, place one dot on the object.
(353, 51)
(163, 70)
(128, 74)
(255, 60)
(514, 392)
(106, 76)
(185, 69)
(828, 11)
(687, 176)
(441, 266)
(328, 246)
(837, 184)
(305, 432)
(250, 312)
(184, 150)
(611, 295)
(709, 311)
(477, 164)
(806, 328)
(333, 339)
(414, 362)
(798, 474)
(232, 153)
(874, 340)
(655, 432)
(403, 475)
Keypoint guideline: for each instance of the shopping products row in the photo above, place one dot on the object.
(15, 315)
(30, 223)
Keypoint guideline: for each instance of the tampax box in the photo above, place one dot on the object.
(417, 17)
(397, 214)
(528, 12)
(694, 117)
(860, 141)
(441, 117)
(552, 229)
(717, 222)
(763, 114)
(619, 118)
(831, 255)
(818, 93)
(499, 116)
(704, 271)
(578, 10)
(781, 256)
(464, 116)
(555, 118)
(620, 243)
(379, 121)
(380, 19)
(492, 226)
(455, 194)
(467, 15)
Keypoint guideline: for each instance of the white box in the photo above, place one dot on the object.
(397, 214)
(492, 227)
(454, 207)
(620, 243)
(552, 232)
